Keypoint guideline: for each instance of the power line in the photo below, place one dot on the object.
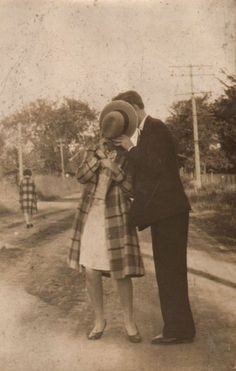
(196, 92)
(192, 65)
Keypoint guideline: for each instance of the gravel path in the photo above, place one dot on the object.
(45, 313)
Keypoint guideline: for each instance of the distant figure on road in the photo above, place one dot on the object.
(103, 241)
(160, 203)
(28, 197)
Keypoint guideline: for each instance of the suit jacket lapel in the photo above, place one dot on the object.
(143, 131)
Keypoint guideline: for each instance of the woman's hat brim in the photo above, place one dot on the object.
(119, 105)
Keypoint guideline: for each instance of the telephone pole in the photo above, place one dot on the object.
(195, 134)
(193, 93)
(20, 155)
(61, 146)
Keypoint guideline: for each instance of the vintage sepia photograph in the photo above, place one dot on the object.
(118, 185)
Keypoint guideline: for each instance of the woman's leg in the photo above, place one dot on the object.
(125, 289)
(95, 291)
(27, 218)
(30, 219)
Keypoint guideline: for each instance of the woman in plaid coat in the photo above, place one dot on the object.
(103, 240)
(28, 197)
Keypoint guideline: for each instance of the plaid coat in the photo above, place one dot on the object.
(28, 196)
(122, 240)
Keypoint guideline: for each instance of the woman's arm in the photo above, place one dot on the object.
(122, 176)
(126, 184)
(88, 167)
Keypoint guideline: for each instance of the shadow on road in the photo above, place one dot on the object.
(38, 217)
(212, 277)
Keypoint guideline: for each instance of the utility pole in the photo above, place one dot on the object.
(192, 93)
(61, 145)
(195, 134)
(20, 156)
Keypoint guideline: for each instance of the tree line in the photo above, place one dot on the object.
(217, 130)
(45, 123)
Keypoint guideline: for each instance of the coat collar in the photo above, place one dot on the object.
(141, 126)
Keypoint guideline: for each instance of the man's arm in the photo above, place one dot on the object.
(126, 143)
(153, 156)
(125, 181)
(158, 147)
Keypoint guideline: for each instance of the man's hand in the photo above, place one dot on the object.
(124, 141)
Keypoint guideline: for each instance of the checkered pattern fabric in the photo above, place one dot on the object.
(28, 196)
(122, 240)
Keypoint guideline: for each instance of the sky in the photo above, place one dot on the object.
(92, 50)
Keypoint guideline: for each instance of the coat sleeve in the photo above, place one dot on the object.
(89, 164)
(124, 179)
(134, 155)
(157, 151)
(153, 158)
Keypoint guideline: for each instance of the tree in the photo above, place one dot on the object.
(213, 157)
(224, 110)
(44, 123)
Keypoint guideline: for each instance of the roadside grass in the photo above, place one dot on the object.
(9, 198)
(214, 211)
(49, 188)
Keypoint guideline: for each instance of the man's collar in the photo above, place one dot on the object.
(141, 126)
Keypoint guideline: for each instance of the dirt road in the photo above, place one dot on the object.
(45, 314)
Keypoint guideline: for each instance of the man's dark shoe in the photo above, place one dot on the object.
(161, 340)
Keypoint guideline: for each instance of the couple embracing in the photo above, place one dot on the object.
(128, 186)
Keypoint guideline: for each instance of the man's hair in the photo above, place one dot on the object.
(131, 97)
(27, 172)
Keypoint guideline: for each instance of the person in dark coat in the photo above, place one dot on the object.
(160, 203)
(28, 197)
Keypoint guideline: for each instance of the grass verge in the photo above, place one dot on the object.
(215, 212)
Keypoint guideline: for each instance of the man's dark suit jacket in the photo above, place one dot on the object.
(158, 188)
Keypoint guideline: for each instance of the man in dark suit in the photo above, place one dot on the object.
(160, 202)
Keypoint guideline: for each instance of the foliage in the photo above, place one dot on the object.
(216, 127)
(44, 123)
(224, 110)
